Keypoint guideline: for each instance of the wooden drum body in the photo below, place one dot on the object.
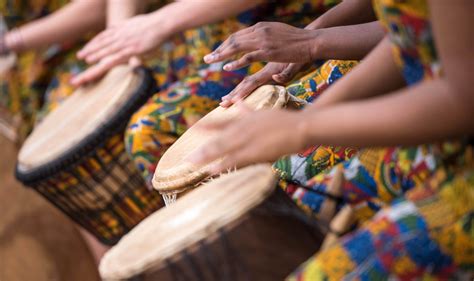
(237, 227)
(76, 157)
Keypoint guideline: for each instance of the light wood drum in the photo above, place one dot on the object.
(174, 174)
(237, 227)
(76, 157)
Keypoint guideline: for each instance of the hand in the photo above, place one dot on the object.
(280, 72)
(133, 38)
(268, 135)
(267, 41)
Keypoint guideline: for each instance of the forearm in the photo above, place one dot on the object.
(348, 12)
(120, 10)
(424, 113)
(352, 42)
(376, 75)
(69, 23)
(187, 14)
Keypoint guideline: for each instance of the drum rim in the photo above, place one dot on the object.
(185, 175)
(96, 139)
(203, 235)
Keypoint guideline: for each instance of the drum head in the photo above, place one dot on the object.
(174, 173)
(7, 62)
(197, 216)
(83, 117)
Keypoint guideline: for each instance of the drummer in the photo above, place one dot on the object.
(188, 88)
(416, 200)
(44, 35)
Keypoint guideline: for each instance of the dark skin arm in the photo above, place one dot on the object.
(329, 37)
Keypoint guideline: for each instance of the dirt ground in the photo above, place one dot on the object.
(37, 242)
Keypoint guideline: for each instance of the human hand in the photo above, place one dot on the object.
(261, 136)
(267, 41)
(279, 72)
(126, 42)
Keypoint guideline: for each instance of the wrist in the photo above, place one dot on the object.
(12, 41)
(303, 128)
(159, 21)
(316, 48)
(316, 24)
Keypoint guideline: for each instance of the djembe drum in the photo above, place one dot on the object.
(239, 226)
(76, 158)
(174, 174)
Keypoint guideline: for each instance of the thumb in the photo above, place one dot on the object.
(287, 74)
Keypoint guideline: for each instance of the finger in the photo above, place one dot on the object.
(247, 86)
(245, 60)
(135, 62)
(235, 160)
(287, 74)
(94, 57)
(98, 70)
(214, 125)
(225, 103)
(231, 49)
(210, 152)
(98, 42)
(210, 58)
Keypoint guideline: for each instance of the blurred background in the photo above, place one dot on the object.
(37, 242)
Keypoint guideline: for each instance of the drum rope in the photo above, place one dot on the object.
(337, 199)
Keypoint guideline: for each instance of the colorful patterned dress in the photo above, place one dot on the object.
(190, 88)
(414, 205)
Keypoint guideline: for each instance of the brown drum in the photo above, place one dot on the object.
(237, 227)
(174, 174)
(76, 157)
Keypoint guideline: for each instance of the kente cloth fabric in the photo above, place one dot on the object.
(414, 205)
(189, 88)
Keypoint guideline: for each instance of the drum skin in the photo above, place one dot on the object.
(175, 173)
(264, 237)
(76, 158)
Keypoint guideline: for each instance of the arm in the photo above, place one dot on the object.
(121, 10)
(434, 110)
(141, 35)
(348, 12)
(333, 39)
(413, 114)
(376, 75)
(199, 13)
(69, 23)
(278, 42)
